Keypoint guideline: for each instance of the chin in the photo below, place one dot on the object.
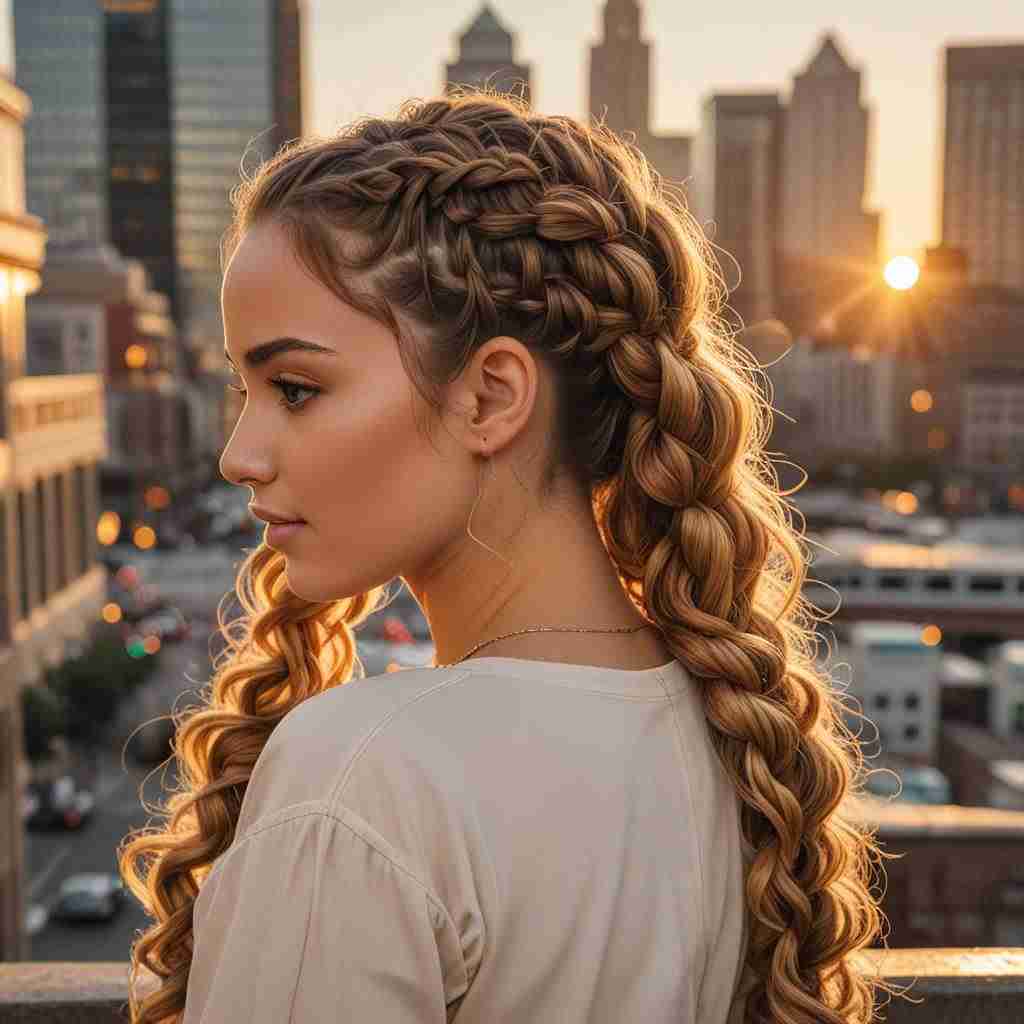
(309, 588)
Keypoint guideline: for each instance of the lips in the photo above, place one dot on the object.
(273, 518)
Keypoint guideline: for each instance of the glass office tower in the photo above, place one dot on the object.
(143, 112)
(140, 187)
(59, 46)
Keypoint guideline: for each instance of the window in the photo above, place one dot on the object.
(882, 701)
(911, 732)
(890, 582)
(911, 701)
(987, 584)
(943, 582)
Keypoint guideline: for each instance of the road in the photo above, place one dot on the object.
(122, 790)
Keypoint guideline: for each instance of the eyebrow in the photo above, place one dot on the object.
(263, 353)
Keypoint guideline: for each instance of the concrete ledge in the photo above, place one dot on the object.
(947, 986)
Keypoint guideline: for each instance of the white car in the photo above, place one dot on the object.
(89, 896)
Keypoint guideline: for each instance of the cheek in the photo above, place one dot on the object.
(377, 478)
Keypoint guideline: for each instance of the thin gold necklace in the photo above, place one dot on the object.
(543, 629)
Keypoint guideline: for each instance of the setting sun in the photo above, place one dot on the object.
(901, 273)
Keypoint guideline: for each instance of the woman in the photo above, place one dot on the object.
(481, 352)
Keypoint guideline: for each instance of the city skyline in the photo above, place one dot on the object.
(901, 64)
(898, 49)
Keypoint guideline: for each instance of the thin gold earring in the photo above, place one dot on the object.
(473, 509)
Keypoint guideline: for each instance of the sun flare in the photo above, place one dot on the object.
(901, 273)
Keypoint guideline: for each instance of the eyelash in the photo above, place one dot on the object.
(280, 383)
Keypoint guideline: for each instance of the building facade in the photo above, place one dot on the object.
(487, 57)
(828, 240)
(140, 183)
(737, 189)
(983, 160)
(145, 113)
(825, 163)
(60, 63)
(236, 86)
(52, 436)
(620, 91)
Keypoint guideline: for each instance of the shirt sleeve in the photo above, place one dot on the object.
(309, 917)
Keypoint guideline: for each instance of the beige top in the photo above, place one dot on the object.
(502, 840)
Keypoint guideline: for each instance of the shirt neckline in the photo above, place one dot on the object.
(646, 681)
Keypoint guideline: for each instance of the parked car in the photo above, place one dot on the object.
(92, 896)
(58, 803)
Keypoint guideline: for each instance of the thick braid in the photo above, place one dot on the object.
(711, 626)
(465, 217)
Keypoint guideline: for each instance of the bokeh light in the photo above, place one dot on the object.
(108, 528)
(901, 273)
(921, 400)
(135, 357)
(112, 612)
(144, 537)
(931, 636)
(157, 497)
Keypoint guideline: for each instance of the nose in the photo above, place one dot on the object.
(242, 464)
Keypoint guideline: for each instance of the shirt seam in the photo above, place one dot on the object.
(430, 897)
(326, 812)
(597, 690)
(323, 812)
(339, 786)
(693, 817)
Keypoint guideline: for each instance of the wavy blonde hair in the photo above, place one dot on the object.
(476, 218)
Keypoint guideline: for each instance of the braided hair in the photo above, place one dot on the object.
(468, 217)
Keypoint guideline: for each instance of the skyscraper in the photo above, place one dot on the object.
(143, 112)
(620, 90)
(983, 161)
(825, 163)
(236, 89)
(487, 57)
(140, 158)
(59, 47)
(828, 241)
(736, 168)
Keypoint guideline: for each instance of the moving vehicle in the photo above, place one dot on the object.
(58, 803)
(89, 896)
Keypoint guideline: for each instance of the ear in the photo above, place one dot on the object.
(500, 393)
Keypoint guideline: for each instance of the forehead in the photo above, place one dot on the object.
(269, 292)
(264, 254)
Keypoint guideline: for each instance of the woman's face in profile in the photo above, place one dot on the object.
(330, 437)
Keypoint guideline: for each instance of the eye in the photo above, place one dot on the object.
(285, 386)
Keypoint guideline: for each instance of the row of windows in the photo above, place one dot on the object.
(39, 564)
(911, 701)
(934, 583)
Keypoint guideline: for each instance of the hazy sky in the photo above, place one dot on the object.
(365, 58)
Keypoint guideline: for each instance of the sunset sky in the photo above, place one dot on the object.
(366, 58)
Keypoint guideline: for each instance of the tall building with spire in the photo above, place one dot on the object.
(487, 57)
(828, 242)
(620, 90)
(983, 161)
(825, 162)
